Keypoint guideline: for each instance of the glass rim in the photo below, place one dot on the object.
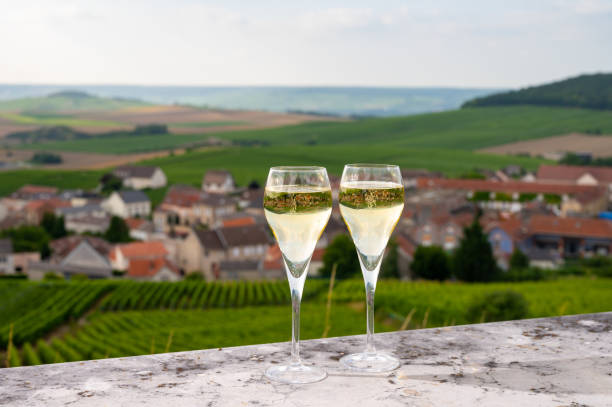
(371, 165)
(288, 168)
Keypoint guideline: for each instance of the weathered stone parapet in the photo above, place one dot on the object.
(563, 361)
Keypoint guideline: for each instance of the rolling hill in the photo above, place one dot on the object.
(66, 101)
(586, 91)
(465, 129)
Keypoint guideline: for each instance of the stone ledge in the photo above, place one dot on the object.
(564, 361)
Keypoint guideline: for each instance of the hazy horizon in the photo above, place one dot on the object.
(345, 100)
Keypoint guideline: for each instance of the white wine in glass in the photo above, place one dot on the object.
(371, 202)
(297, 205)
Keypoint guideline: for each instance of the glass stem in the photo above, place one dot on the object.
(296, 299)
(370, 289)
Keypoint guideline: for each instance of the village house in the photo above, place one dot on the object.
(141, 229)
(239, 219)
(570, 237)
(204, 250)
(76, 254)
(512, 196)
(251, 201)
(218, 182)
(35, 210)
(212, 208)
(79, 197)
(87, 218)
(7, 265)
(570, 174)
(32, 192)
(128, 204)
(123, 254)
(178, 207)
(154, 269)
(141, 177)
(184, 206)
(87, 224)
(22, 261)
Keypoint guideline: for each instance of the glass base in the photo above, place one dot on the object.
(295, 374)
(370, 362)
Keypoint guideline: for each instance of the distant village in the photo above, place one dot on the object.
(219, 230)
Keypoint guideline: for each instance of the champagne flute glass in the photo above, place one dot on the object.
(371, 202)
(297, 205)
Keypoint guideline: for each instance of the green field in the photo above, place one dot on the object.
(249, 163)
(465, 129)
(207, 124)
(10, 181)
(253, 163)
(438, 141)
(68, 321)
(121, 144)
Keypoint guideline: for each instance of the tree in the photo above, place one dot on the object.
(518, 260)
(473, 260)
(53, 225)
(46, 158)
(118, 231)
(431, 263)
(389, 267)
(29, 239)
(254, 184)
(110, 182)
(341, 252)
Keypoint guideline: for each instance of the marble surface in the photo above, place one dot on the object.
(542, 362)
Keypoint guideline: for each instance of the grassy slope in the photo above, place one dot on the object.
(12, 180)
(435, 141)
(465, 129)
(127, 144)
(247, 164)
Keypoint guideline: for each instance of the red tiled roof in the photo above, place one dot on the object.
(149, 267)
(183, 196)
(143, 250)
(134, 223)
(512, 226)
(574, 227)
(51, 204)
(512, 186)
(570, 173)
(37, 189)
(245, 221)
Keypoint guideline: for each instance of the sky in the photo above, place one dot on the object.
(488, 43)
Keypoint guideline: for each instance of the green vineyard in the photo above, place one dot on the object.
(52, 322)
